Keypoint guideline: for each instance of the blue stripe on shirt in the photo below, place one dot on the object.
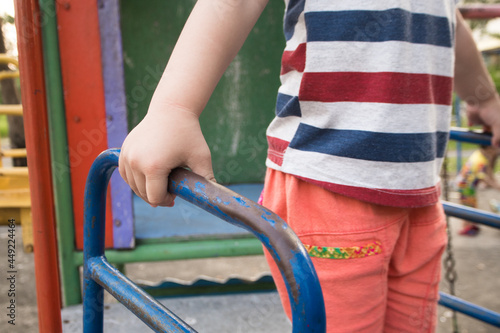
(293, 10)
(372, 146)
(379, 26)
(287, 105)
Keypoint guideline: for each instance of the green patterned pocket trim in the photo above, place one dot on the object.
(351, 252)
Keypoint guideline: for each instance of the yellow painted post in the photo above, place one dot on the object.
(15, 202)
(27, 229)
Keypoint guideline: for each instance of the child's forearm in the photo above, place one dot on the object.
(473, 83)
(210, 39)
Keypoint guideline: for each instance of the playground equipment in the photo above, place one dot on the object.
(474, 215)
(15, 202)
(65, 45)
(101, 62)
(304, 289)
(308, 309)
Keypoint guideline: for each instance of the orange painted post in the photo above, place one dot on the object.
(80, 54)
(37, 145)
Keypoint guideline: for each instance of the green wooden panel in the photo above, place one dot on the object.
(197, 249)
(70, 276)
(236, 117)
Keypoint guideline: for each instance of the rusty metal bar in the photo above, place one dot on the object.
(306, 298)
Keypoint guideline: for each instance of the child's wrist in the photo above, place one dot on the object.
(491, 98)
(171, 108)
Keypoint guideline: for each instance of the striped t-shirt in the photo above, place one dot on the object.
(364, 103)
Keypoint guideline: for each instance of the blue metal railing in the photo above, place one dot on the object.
(465, 135)
(308, 312)
(469, 309)
(306, 298)
(477, 216)
(472, 214)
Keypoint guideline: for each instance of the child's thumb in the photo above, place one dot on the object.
(204, 169)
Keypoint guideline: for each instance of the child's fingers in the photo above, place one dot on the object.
(495, 139)
(128, 177)
(156, 190)
(140, 182)
(127, 174)
(136, 182)
(487, 129)
(203, 166)
(474, 118)
(495, 134)
(121, 168)
(206, 172)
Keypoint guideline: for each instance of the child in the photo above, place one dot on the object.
(478, 168)
(361, 125)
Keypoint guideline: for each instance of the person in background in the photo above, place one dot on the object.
(478, 169)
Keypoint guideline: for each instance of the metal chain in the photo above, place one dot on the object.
(449, 260)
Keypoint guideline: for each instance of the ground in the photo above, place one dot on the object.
(477, 265)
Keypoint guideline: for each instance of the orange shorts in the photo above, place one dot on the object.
(379, 267)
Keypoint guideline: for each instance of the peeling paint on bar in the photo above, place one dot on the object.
(308, 312)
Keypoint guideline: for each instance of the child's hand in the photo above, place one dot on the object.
(487, 113)
(170, 134)
(161, 142)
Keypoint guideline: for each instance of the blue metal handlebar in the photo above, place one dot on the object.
(466, 135)
(306, 298)
(472, 214)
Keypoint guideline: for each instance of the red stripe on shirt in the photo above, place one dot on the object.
(380, 87)
(294, 60)
(276, 149)
(395, 198)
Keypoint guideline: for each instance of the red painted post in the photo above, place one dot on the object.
(480, 11)
(81, 67)
(40, 177)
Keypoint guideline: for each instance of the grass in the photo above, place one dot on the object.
(4, 127)
(452, 145)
